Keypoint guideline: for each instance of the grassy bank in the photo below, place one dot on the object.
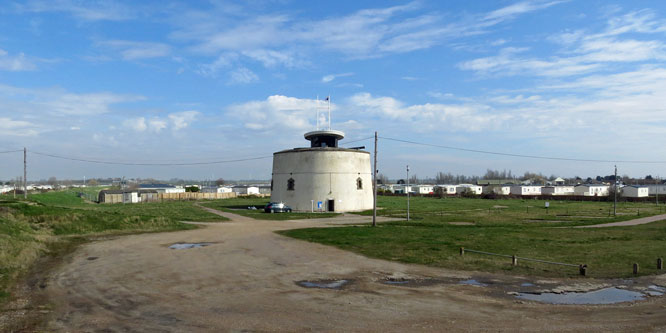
(34, 228)
(505, 227)
(240, 206)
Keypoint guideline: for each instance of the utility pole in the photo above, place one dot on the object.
(25, 173)
(374, 186)
(615, 194)
(407, 189)
(656, 192)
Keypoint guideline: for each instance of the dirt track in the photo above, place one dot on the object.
(246, 281)
(643, 220)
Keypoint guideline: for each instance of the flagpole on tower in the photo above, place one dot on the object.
(328, 98)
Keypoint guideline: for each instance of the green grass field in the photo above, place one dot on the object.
(240, 206)
(34, 228)
(513, 227)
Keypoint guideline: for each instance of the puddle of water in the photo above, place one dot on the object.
(396, 282)
(472, 282)
(655, 290)
(601, 296)
(183, 246)
(323, 284)
(527, 284)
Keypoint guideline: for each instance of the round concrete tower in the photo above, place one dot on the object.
(323, 177)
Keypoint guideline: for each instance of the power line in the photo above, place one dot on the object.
(148, 164)
(348, 142)
(96, 161)
(521, 155)
(11, 151)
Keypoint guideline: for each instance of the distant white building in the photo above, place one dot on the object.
(474, 189)
(526, 190)
(634, 191)
(6, 188)
(558, 181)
(591, 190)
(655, 189)
(131, 197)
(447, 189)
(162, 188)
(246, 189)
(557, 190)
(497, 189)
(421, 189)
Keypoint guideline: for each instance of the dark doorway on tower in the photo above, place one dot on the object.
(331, 205)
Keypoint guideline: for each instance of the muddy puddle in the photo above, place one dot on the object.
(184, 246)
(472, 282)
(413, 282)
(323, 284)
(602, 296)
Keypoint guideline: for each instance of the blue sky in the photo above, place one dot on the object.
(178, 82)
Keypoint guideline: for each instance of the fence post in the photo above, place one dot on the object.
(582, 269)
(635, 268)
(660, 263)
(462, 251)
(514, 260)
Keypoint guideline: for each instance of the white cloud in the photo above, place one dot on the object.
(583, 53)
(518, 8)
(273, 38)
(82, 104)
(132, 50)
(223, 61)
(465, 117)
(157, 124)
(85, 10)
(15, 63)
(138, 124)
(180, 120)
(243, 75)
(11, 127)
(331, 77)
(277, 112)
(271, 58)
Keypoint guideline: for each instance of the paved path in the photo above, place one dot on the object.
(643, 220)
(246, 280)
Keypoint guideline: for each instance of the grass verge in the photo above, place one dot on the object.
(431, 239)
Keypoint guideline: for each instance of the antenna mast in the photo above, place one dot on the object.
(317, 107)
(328, 98)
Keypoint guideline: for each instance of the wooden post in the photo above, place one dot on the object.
(635, 268)
(374, 186)
(582, 269)
(462, 251)
(660, 263)
(514, 260)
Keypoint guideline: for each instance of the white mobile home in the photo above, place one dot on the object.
(446, 189)
(634, 191)
(162, 188)
(421, 189)
(474, 189)
(526, 190)
(591, 190)
(497, 189)
(245, 189)
(557, 190)
(655, 189)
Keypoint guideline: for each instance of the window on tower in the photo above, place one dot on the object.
(359, 183)
(290, 184)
